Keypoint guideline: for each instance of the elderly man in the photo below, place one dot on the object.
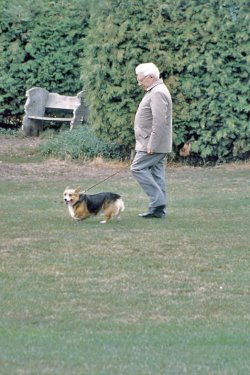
(153, 134)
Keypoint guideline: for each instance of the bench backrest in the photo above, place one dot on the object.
(56, 101)
(38, 99)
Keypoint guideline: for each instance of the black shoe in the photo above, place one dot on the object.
(161, 209)
(146, 215)
(158, 212)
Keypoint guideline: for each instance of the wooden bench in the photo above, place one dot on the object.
(39, 101)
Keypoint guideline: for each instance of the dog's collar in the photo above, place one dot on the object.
(76, 203)
(82, 196)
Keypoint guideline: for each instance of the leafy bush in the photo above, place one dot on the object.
(81, 142)
(40, 43)
(201, 48)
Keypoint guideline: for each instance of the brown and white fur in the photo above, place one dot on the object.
(81, 205)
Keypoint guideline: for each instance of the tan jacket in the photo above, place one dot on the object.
(153, 120)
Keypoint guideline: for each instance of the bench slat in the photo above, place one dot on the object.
(56, 101)
(51, 118)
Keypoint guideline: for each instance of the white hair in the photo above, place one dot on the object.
(148, 69)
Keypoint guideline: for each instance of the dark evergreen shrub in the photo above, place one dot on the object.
(40, 46)
(201, 48)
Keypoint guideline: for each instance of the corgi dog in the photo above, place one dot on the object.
(81, 205)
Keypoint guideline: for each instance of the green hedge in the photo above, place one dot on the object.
(201, 49)
(40, 46)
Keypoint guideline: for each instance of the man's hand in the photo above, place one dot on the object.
(150, 151)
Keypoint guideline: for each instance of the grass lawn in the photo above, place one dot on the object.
(135, 297)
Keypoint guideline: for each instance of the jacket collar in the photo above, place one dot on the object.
(158, 82)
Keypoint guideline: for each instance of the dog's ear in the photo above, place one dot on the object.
(78, 189)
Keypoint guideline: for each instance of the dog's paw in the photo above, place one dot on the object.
(103, 222)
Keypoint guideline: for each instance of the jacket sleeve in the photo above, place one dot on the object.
(159, 107)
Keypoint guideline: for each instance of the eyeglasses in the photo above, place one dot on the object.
(140, 81)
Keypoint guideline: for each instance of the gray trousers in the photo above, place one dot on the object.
(149, 172)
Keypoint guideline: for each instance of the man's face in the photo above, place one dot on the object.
(145, 81)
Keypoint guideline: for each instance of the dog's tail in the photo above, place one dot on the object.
(120, 205)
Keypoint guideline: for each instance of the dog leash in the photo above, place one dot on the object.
(107, 178)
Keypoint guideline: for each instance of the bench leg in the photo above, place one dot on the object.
(32, 127)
